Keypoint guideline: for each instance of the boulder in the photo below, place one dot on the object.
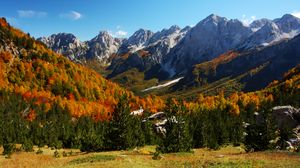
(286, 116)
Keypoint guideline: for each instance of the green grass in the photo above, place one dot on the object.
(91, 159)
(133, 80)
(228, 156)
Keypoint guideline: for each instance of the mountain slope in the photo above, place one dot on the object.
(286, 27)
(209, 38)
(253, 69)
(38, 74)
(151, 55)
(173, 52)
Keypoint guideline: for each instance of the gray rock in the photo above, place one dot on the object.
(286, 116)
(66, 44)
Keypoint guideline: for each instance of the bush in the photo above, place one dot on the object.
(56, 154)
(27, 146)
(8, 149)
(156, 156)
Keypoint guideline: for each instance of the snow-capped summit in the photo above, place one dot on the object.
(288, 23)
(258, 24)
(209, 38)
(174, 49)
(268, 34)
(164, 33)
(163, 41)
(285, 27)
(137, 41)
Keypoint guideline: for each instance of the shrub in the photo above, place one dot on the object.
(8, 149)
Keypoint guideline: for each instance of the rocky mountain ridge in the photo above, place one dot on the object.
(174, 51)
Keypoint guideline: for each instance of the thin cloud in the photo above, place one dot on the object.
(72, 15)
(121, 33)
(296, 14)
(31, 14)
(118, 33)
(246, 20)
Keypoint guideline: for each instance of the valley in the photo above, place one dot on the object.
(79, 90)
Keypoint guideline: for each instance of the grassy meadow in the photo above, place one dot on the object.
(225, 157)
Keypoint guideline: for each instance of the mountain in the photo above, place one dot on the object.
(286, 27)
(66, 44)
(103, 46)
(209, 38)
(253, 70)
(152, 54)
(172, 52)
(42, 77)
(288, 24)
(99, 48)
(163, 41)
(136, 42)
(258, 24)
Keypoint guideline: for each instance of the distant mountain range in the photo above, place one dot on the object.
(175, 52)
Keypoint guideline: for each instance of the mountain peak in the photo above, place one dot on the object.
(65, 35)
(288, 16)
(104, 33)
(141, 35)
(186, 28)
(174, 28)
(215, 18)
(257, 24)
(141, 30)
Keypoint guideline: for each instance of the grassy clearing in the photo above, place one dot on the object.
(225, 157)
(91, 159)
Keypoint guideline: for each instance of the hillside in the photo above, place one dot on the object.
(30, 69)
(244, 70)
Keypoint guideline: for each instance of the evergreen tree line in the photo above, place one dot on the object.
(184, 130)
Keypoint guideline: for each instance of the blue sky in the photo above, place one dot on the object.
(85, 18)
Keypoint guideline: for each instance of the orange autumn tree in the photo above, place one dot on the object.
(32, 70)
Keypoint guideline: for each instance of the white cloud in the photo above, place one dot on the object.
(296, 13)
(72, 15)
(246, 20)
(121, 33)
(31, 14)
(118, 33)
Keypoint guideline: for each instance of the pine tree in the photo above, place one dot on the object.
(125, 130)
(118, 132)
(177, 138)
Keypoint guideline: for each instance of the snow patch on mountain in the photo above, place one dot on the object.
(163, 85)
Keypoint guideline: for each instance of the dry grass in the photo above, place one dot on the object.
(226, 157)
